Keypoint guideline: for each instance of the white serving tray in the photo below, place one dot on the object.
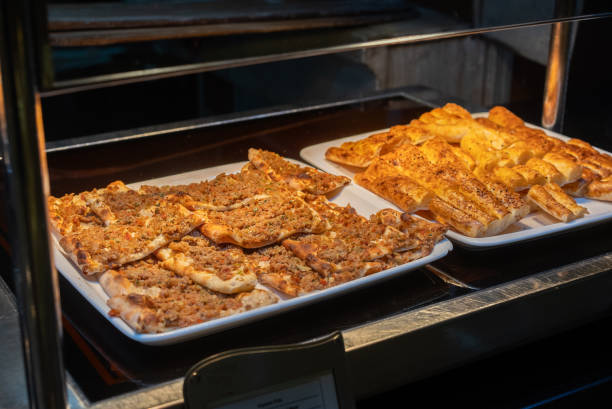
(533, 226)
(93, 292)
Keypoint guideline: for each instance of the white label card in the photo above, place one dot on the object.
(312, 393)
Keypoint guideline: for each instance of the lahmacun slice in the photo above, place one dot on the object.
(117, 203)
(427, 233)
(225, 269)
(100, 248)
(224, 192)
(280, 269)
(297, 177)
(152, 299)
(424, 231)
(263, 221)
(353, 243)
(70, 213)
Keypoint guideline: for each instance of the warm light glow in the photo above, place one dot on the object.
(554, 78)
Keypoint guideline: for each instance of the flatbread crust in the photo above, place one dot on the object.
(352, 244)
(359, 153)
(554, 201)
(462, 200)
(70, 213)
(425, 232)
(224, 192)
(282, 270)
(225, 269)
(450, 122)
(384, 180)
(297, 177)
(100, 247)
(116, 203)
(263, 222)
(420, 229)
(600, 189)
(151, 299)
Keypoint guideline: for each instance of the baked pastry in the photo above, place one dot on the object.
(70, 213)
(224, 269)
(224, 192)
(151, 299)
(360, 153)
(454, 185)
(99, 247)
(297, 177)
(555, 202)
(263, 221)
(383, 179)
(351, 244)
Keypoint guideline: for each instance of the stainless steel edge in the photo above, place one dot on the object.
(405, 348)
(413, 345)
(82, 84)
(74, 395)
(470, 303)
(449, 279)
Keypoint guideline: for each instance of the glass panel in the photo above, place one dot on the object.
(121, 40)
(506, 67)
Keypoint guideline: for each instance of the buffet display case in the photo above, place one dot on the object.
(173, 93)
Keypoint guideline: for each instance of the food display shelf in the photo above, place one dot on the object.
(463, 307)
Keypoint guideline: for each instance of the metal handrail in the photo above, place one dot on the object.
(35, 278)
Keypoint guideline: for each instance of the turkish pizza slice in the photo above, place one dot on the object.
(101, 247)
(426, 233)
(298, 177)
(263, 221)
(222, 268)
(152, 299)
(352, 244)
(278, 268)
(70, 213)
(224, 192)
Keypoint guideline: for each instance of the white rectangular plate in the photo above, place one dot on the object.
(93, 292)
(535, 225)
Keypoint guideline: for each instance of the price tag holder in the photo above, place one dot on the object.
(310, 375)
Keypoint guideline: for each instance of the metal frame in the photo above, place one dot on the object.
(27, 186)
(438, 326)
